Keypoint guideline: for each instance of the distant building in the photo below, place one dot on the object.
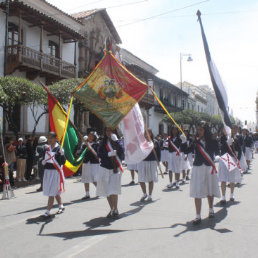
(256, 102)
(168, 93)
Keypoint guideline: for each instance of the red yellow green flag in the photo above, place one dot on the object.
(110, 91)
(58, 121)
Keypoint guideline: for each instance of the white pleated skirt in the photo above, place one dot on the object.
(108, 182)
(90, 173)
(174, 162)
(132, 166)
(185, 164)
(147, 172)
(51, 182)
(243, 163)
(203, 183)
(248, 153)
(233, 176)
(164, 156)
(190, 158)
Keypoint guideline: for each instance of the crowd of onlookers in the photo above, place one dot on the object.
(20, 157)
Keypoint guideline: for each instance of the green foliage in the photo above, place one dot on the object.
(63, 89)
(21, 91)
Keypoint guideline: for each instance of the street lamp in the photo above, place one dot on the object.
(189, 59)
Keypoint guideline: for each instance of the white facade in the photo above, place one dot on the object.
(2, 41)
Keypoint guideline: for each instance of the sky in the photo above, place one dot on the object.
(231, 28)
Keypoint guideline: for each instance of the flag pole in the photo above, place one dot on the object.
(73, 125)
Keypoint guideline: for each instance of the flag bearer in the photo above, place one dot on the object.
(53, 180)
(147, 169)
(204, 179)
(90, 166)
(111, 155)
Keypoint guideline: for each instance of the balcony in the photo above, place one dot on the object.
(170, 108)
(37, 63)
(147, 101)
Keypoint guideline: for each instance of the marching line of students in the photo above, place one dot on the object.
(102, 167)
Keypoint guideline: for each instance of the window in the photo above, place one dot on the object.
(13, 34)
(53, 48)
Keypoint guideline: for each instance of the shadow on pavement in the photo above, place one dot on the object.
(206, 223)
(128, 185)
(172, 190)
(227, 205)
(87, 200)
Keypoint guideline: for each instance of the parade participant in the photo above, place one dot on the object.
(204, 179)
(229, 147)
(111, 155)
(185, 157)
(21, 154)
(90, 166)
(40, 152)
(164, 151)
(53, 180)
(239, 138)
(247, 144)
(147, 169)
(133, 168)
(174, 157)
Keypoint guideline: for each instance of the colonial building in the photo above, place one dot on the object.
(168, 93)
(42, 46)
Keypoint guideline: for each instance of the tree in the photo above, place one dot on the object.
(18, 91)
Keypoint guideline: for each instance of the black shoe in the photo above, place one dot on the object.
(39, 189)
(223, 202)
(232, 199)
(211, 215)
(115, 215)
(132, 182)
(60, 210)
(197, 221)
(187, 178)
(110, 214)
(177, 187)
(165, 173)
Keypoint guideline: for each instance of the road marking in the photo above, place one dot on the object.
(79, 248)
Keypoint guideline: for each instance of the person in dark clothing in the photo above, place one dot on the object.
(147, 169)
(111, 155)
(40, 151)
(21, 154)
(30, 157)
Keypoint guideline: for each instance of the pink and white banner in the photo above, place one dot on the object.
(137, 148)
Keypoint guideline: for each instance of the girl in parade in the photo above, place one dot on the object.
(174, 157)
(147, 169)
(164, 152)
(231, 147)
(53, 180)
(247, 145)
(90, 166)
(204, 179)
(133, 169)
(109, 182)
(185, 160)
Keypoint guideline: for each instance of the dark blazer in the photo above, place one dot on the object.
(105, 160)
(21, 151)
(89, 156)
(58, 157)
(247, 142)
(177, 141)
(151, 156)
(211, 148)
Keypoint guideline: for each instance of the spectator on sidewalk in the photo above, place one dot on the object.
(10, 158)
(21, 154)
(40, 152)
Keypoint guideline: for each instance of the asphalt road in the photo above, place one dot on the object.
(161, 228)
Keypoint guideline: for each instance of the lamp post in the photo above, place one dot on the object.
(189, 59)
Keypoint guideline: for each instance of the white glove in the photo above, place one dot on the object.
(44, 162)
(114, 137)
(61, 151)
(112, 153)
(217, 158)
(230, 141)
(183, 138)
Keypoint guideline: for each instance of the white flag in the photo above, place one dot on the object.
(137, 148)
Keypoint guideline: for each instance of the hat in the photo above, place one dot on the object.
(20, 139)
(85, 137)
(42, 139)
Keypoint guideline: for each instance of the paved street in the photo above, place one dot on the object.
(158, 229)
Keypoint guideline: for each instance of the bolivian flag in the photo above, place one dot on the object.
(110, 91)
(57, 119)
